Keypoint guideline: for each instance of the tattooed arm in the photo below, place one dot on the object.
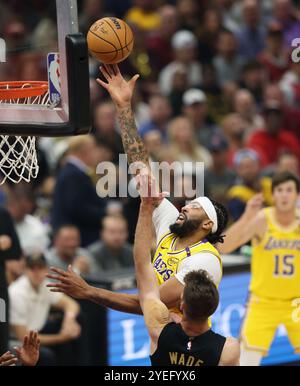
(121, 93)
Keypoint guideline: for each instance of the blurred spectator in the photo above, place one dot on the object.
(66, 251)
(253, 79)
(290, 85)
(30, 304)
(160, 113)
(227, 62)
(32, 233)
(184, 144)
(218, 178)
(92, 10)
(159, 42)
(273, 139)
(195, 109)
(14, 269)
(291, 115)
(287, 162)
(284, 13)
(144, 14)
(153, 142)
(10, 250)
(217, 104)
(244, 105)
(112, 251)
(106, 128)
(234, 129)
(248, 183)
(208, 34)
(251, 34)
(274, 57)
(184, 44)
(75, 199)
(189, 13)
(179, 86)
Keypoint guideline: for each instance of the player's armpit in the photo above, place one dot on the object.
(170, 292)
(231, 353)
(156, 316)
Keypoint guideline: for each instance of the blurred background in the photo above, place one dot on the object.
(217, 85)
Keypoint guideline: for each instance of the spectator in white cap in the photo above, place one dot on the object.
(195, 109)
(184, 45)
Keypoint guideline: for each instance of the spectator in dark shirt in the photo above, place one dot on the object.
(112, 250)
(218, 178)
(251, 35)
(274, 57)
(9, 250)
(75, 199)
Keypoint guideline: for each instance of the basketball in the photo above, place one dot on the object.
(110, 40)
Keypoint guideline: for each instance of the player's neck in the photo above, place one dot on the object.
(184, 242)
(194, 328)
(285, 218)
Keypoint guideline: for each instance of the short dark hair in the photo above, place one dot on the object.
(36, 260)
(222, 217)
(200, 295)
(280, 178)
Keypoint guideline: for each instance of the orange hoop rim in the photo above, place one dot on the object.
(22, 89)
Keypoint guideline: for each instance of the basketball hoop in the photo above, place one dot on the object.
(18, 158)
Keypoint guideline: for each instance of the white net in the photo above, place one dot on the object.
(18, 156)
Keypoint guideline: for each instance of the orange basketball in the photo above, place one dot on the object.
(110, 40)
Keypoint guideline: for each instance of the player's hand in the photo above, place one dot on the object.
(120, 90)
(69, 283)
(254, 205)
(29, 353)
(148, 189)
(8, 359)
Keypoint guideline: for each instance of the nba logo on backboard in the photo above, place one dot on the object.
(54, 78)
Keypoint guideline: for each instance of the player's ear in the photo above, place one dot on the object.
(207, 225)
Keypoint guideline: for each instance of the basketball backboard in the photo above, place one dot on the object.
(49, 49)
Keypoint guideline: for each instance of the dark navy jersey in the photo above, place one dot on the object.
(176, 348)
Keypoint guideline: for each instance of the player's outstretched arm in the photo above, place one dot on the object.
(231, 353)
(121, 92)
(71, 284)
(156, 314)
(251, 225)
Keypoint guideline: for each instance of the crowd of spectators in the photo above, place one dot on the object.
(217, 85)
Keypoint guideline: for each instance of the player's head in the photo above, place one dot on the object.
(285, 189)
(200, 297)
(203, 216)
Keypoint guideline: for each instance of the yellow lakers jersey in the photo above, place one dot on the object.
(167, 261)
(275, 261)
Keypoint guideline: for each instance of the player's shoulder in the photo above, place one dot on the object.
(231, 352)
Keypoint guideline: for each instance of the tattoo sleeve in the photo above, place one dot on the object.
(132, 142)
